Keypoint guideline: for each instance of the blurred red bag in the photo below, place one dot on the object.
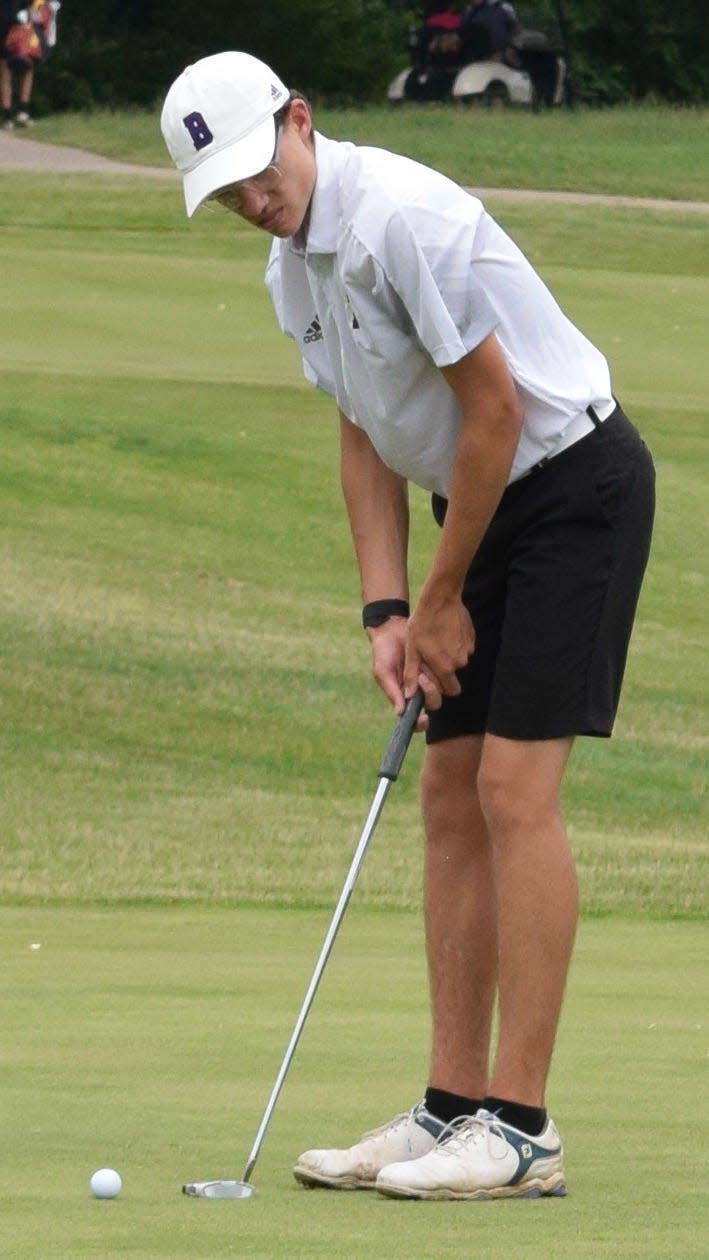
(27, 42)
(22, 43)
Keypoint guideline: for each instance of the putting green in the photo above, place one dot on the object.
(148, 1040)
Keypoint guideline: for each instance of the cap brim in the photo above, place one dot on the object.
(241, 160)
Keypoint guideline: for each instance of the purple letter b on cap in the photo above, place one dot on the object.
(198, 129)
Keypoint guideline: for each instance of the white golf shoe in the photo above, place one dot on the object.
(406, 1137)
(481, 1158)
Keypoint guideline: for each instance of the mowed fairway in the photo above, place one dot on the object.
(190, 742)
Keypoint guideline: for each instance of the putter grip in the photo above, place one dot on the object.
(393, 758)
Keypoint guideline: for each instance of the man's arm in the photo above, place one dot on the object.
(378, 510)
(440, 637)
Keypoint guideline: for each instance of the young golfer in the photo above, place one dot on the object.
(452, 366)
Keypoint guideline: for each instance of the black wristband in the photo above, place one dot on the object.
(380, 610)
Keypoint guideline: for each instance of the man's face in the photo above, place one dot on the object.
(277, 199)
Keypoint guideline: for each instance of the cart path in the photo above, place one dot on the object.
(18, 153)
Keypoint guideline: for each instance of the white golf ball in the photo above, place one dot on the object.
(105, 1183)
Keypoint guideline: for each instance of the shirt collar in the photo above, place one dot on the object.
(323, 220)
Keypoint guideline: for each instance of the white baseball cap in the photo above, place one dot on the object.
(218, 122)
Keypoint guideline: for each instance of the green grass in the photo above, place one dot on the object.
(649, 151)
(148, 1040)
(184, 683)
(189, 742)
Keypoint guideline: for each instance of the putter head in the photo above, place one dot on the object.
(218, 1189)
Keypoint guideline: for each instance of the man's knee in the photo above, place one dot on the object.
(518, 782)
(502, 798)
(449, 782)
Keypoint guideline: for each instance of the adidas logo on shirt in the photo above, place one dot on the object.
(313, 332)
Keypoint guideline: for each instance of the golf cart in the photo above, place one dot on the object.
(445, 65)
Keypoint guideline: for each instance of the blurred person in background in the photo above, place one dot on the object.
(27, 35)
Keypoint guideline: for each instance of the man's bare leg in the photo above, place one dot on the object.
(25, 88)
(537, 905)
(501, 908)
(460, 915)
(5, 86)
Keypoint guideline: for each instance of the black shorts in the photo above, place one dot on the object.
(552, 593)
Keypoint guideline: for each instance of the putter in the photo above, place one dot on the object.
(388, 771)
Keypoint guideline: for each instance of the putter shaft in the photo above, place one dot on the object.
(388, 771)
(375, 810)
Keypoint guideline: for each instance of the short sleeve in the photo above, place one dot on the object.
(429, 260)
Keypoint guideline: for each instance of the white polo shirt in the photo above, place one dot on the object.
(402, 273)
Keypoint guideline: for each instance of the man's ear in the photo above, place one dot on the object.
(300, 114)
